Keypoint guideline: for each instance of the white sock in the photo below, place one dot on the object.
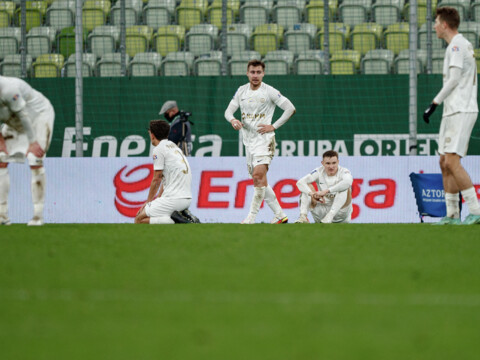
(38, 191)
(452, 202)
(4, 190)
(470, 197)
(272, 202)
(161, 220)
(305, 202)
(258, 196)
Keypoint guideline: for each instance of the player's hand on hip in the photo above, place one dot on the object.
(36, 149)
(236, 124)
(264, 128)
(430, 110)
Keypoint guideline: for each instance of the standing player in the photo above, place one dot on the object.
(257, 102)
(460, 110)
(333, 200)
(172, 179)
(26, 120)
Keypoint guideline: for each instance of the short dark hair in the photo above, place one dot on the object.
(449, 15)
(255, 62)
(159, 128)
(330, 153)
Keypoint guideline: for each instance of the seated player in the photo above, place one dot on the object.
(333, 200)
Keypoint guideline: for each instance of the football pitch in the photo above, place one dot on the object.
(228, 292)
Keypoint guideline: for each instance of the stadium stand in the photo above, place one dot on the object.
(300, 38)
(462, 6)
(177, 64)
(366, 37)
(214, 12)
(402, 61)
(209, 64)
(169, 39)
(238, 38)
(145, 64)
(40, 40)
(278, 62)
(387, 12)
(238, 63)
(48, 65)
(422, 38)
(345, 62)
(354, 12)
(110, 65)
(95, 13)
(61, 14)
(201, 38)
(103, 39)
(88, 65)
(12, 65)
(338, 34)
(267, 37)
(191, 12)
(377, 61)
(288, 12)
(255, 12)
(157, 13)
(133, 10)
(7, 9)
(138, 39)
(35, 12)
(310, 62)
(10, 38)
(396, 37)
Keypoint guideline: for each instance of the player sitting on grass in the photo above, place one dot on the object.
(333, 200)
(172, 180)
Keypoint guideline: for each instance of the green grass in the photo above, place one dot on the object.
(231, 292)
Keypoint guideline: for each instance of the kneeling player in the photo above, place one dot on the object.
(333, 200)
(172, 179)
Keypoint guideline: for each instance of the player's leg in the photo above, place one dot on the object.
(319, 212)
(259, 176)
(344, 215)
(271, 199)
(338, 202)
(4, 191)
(159, 211)
(305, 202)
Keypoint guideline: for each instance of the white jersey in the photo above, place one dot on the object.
(16, 95)
(343, 178)
(177, 175)
(463, 98)
(257, 107)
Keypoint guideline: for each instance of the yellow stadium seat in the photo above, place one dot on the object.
(169, 39)
(191, 12)
(267, 37)
(35, 12)
(396, 37)
(138, 39)
(7, 8)
(315, 11)
(95, 13)
(214, 12)
(345, 62)
(366, 37)
(48, 65)
(338, 34)
(477, 59)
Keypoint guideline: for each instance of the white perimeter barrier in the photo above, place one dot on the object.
(110, 190)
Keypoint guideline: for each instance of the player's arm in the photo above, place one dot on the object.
(155, 185)
(288, 111)
(304, 184)
(344, 184)
(229, 114)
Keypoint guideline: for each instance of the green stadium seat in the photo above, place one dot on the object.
(402, 61)
(396, 37)
(315, 11)
(387, 12)
(310, 62)
(133, 10)
(300, 37)
(354, 12)
(255, 12)
(191, 12)
(201, 38)
(278, 62)
(338, 34)
(214, 12)
(209, 64)
(88, 65)
(7, 9)
(110, 65)
(238, 63)
(422, 38)
(61, 14)
(12, 65)
(95, 13)
(66, 41)
(267, 37)
(138, 39)
(104, 40)
(48, 65)
(35, 12)
(345, 62)
(377, 61)
(288, 12)
(159, 13)
(238, 38)
(145, 64)
(40, 40)
(10, 38)
(177, 64)
(169, 39)
(366, 37)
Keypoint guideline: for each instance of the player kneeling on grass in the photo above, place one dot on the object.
(333, 200)
(172, 181)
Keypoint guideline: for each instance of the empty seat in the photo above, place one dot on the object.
(104, 39)
(354, 12)
(133, 10)
(422, 38)
(255, 12)
(421, 11)
(177, 64)
(238, 63)
(267, 37)
(377, 61)
(477, 57)
(110, 65)
(158, 13)
(338, 33)
(169, 39)
(88, 65)
(366, 37)
(278, 62)
(201, 38)
(462, 6)
(7, 9)
(402, 61)
(35, 12)
(12, 65)
(471, 31)
(300, 37)
(138, 39)
(191, 12)
(310, 62)
(315, 11)
(40, 40)
(396, 37)
(345, 62)
(66, 41)
(288, 12)
(48, 65)
(145, 64)
(61, 14)
(214, 12)
(438, 56)
(10, 38)
(95, 13)
(238, 38)
(209, 64)
(475, 10)
(387, 12)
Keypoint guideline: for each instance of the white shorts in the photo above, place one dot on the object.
(163, 206)
(17, 143)
(343, 216)
(455, 132)
(259, 156)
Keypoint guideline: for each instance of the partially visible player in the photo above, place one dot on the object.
(171, 187)
(333, 200)
(26, 120)
(460, 110)
(257, 102)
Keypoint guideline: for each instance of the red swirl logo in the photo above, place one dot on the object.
(125, 206)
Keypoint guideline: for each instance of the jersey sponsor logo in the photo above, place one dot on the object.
(455, 49)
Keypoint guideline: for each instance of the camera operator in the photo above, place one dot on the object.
(180, 126)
